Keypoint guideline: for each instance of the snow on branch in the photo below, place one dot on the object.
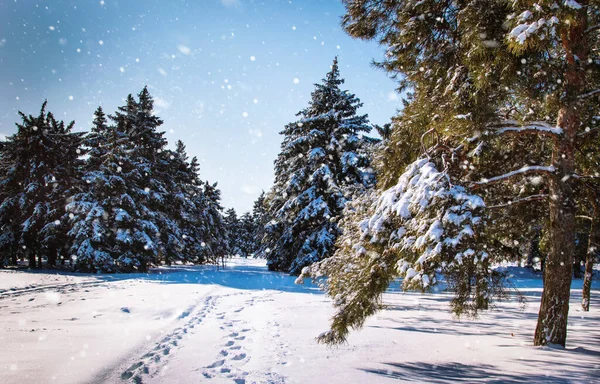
(535, 128)
(527, 170)
(588, 132)
(519, 201)
(592, 29)
(589, 94)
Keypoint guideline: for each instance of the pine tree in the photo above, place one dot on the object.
(183, 200)
(214, 231)
(261, 218)
(119, 222)
(39, 165)
(247, 228)
(232, 224)
(496, 85)
(320, 164)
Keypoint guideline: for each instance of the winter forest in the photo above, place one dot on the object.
(452, 237)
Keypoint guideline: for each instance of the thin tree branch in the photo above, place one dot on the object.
(589, 132)
(592, 29)
(527, 170)
(520, 201)
(534, 128)
(592, 93)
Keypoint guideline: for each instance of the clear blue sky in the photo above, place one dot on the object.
(226, 75)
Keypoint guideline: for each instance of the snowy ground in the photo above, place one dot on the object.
(248, 325)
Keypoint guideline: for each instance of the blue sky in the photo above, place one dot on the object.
(226, 75)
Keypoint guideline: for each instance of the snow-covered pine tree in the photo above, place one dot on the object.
(486, 77)
(39, 165)
(420, 227)
(260, 217)
(183, 200)
(232, 224)
(116, 219)
(320, 164)
(214, 230)
(157, 166)
(247, 229)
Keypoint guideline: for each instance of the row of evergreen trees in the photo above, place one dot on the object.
(112, 200)
(245, 232)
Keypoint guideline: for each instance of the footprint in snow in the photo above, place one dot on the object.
(216, 364)
(239, 357)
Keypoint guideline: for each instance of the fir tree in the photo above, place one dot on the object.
(214, 231)
(39, 165)
(117, 220)
(260, 218)
(320, 164)
(247, 229)
(232, 224)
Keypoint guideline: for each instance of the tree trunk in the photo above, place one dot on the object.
(52, 256)
(31, 257)
(554, 309)
(593, 241)
(39, 256)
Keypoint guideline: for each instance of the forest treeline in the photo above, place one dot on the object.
(114, 199)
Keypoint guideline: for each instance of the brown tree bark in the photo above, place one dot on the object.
(31, 257)
(554, 309)
(593, 242)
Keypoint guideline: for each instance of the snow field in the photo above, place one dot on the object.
(248, 325)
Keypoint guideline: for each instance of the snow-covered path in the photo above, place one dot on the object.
(248, 325)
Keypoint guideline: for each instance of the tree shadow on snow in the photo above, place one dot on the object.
(453, 372)
(238, 276)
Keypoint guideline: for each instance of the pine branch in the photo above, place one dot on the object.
(520, 201)
(588, 94)
(527, 170)
(533, 128)
(592, 29)
(577, 176)
(589, 132)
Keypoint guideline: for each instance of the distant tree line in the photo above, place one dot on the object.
(114, 199)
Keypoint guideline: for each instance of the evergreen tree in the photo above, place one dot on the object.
(232, 224)
(119, 222)
(183, 201)
(214, 230)
(496, 85)
(320, 165)
(260, 217)
(39, 165)
(246, 241)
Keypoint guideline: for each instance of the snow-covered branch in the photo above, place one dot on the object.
(519, 201)
(588, 94)
(578, 176)
(533, 128)
(592, 29)
(588, 132)
(527, 170)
